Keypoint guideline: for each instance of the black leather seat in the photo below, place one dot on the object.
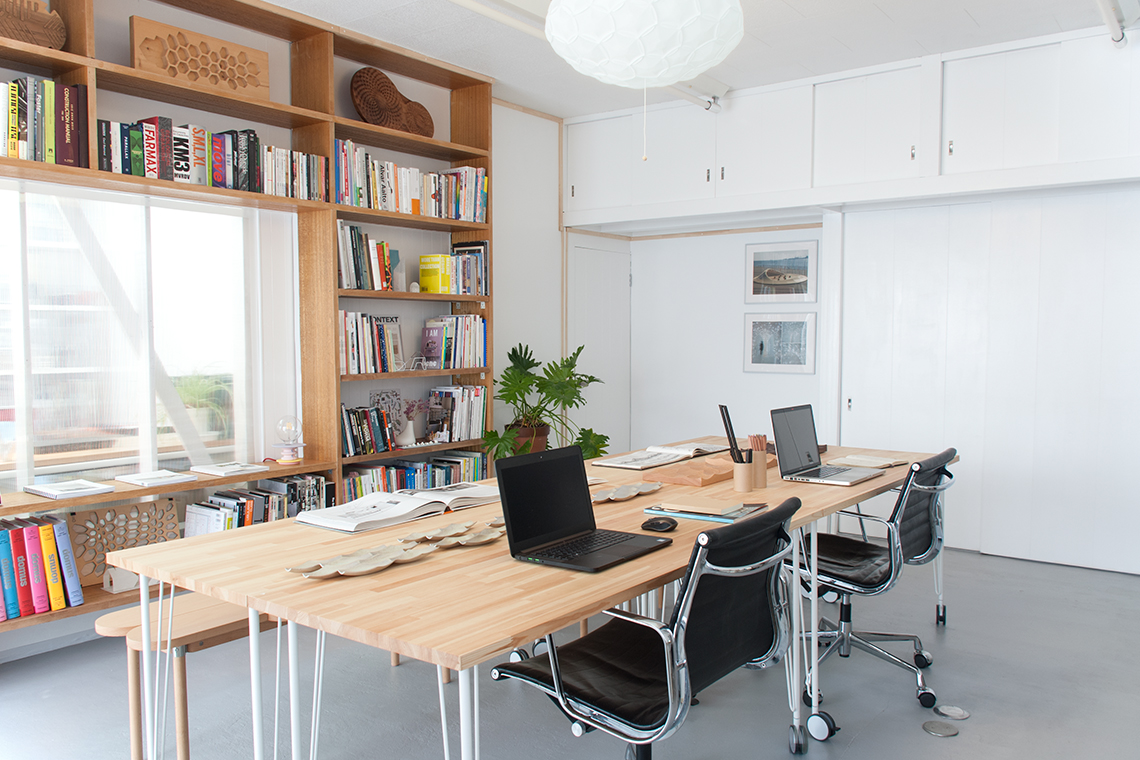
(634, 677)
(850, 566)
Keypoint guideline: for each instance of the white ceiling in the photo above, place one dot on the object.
(784, 40)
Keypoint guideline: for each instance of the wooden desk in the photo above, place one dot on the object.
(456, 607)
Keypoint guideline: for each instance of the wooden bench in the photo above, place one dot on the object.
(199, 622)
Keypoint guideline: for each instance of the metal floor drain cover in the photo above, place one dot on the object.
(939, 728)
(951, 712)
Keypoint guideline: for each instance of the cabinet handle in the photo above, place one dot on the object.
(571, 191)
(951, 147)
(708, 175)
(722, 172)
(849, 405)
(912, 153)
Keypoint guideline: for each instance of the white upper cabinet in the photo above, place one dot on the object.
(763, 142)
(599, 154)
(679, 146)
(1001, 111)
(1100, 100)
(867, 128)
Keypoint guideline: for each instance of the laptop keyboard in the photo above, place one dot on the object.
(827, 470)
(599, 539)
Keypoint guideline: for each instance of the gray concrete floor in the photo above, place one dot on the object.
(1037, 653)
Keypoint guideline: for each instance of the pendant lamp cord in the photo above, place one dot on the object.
(644, 121)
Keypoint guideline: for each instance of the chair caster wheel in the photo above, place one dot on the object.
(940, 614)
(806, 697)
(821, 726)
(518, 655)
(797, 740)
(539, 647)
(831, 597)
(926, 698)
(923, 659)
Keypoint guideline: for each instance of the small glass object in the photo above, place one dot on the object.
(289, 433)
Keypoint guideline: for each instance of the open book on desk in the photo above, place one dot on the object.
(379, 510)
(863, 460)
(656, 456)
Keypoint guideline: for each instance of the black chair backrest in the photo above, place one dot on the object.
(731, 619)
(914, 508)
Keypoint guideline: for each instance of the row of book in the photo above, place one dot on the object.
(370, 343)
(44, 121)
(366, 430)
(461, 272)
(454, 341)
(456, 413)
(37, 567)
(271, 499)
(188, 153)
(364, 264)
(439, 470)
(368, 182)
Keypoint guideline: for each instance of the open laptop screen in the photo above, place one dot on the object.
(796, 445)
(545, 497)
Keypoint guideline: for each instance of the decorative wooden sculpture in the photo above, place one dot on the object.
(95, 532)
(379, 102)
(192, 57)
(25, 21)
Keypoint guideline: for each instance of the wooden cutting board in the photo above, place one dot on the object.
(699, 472)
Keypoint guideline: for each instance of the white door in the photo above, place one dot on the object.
(598, 156)
(598, 317)
(763, 142)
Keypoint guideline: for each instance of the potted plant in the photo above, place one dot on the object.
(207, 399)
(541, 402)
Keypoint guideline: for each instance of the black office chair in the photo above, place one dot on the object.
(850, 566)
(634, 677)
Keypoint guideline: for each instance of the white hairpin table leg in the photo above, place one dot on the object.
(468, 715)
(294, 693)
(255, 681)
(151, 742)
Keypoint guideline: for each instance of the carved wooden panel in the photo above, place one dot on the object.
(192, 57)
(95, 532)
(28, 21)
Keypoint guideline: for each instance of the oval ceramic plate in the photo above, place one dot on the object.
(482, 537)
(648, 487)
(386, 551)
(306, 567)
(621, 493)
(602, 495)
(449, 543)
(415, 538)
(367, 567)
(414, 553)
(455, 529)
(497, 522)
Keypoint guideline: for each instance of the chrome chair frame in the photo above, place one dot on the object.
(841, 637)
(673, 640)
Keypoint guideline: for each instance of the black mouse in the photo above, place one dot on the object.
(659, 524)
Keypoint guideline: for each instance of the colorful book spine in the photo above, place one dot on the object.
(115, 139)
(218, 166)
(13, 104)
(36, 576)
(199, 155)
(163, 146)
(66, 138)
(22, 117)
(138, 158)
(180, 139)
(20, 568)
(67, 564)
(103, 128)
(52, 573)
(8, 575)
(125, 147)
(150, 148)
(49, 121)
(82, 125)
(35, 120)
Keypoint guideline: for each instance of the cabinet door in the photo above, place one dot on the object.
(1001, 111)
(680, 150)
(598, 157)
(867, 128)
(763, 142)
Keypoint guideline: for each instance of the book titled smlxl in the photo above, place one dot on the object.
(655, 456)
(69, 489)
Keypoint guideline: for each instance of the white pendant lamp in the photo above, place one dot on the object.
(644, 43)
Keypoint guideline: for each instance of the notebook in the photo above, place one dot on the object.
(797, 450)
(550, 519)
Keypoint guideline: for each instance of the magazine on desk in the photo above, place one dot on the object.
(656, 456)
(379, 510)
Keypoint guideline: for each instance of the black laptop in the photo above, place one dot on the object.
(797, 450)
(550, 518)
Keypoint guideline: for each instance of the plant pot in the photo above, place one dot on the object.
(537, 437)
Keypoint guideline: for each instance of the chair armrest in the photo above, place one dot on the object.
(630, 617)
(862, 516)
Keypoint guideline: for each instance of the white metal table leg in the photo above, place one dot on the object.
(294, 692)
(255, 681)
(468, 715)
(151, 742)
(443, 713)
(814, 618)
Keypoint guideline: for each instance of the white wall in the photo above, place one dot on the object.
(527, 249)
(688, 337)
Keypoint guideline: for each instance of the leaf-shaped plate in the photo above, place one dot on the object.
(367, 567)
(414, 553)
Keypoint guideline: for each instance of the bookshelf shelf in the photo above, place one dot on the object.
(405, 142)
(21, 503)
(413, 373)
(401, 453)
(375, 216)
(95, 599)
(394, 295)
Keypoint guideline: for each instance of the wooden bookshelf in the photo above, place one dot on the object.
(95, 599)
(314, 125)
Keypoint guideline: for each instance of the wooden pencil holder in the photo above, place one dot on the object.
(742, 477)
(759, 469)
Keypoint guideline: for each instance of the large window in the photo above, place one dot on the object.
(131, 332)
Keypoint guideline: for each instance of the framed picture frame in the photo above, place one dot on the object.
(779, 343)
(781, 272)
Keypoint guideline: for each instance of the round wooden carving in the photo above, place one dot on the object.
(379, 102)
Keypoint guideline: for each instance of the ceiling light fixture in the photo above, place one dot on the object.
(644, 43)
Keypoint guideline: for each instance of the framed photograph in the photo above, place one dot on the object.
(779, 343)
(781, 272)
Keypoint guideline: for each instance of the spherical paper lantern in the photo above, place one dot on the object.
(644, 43)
